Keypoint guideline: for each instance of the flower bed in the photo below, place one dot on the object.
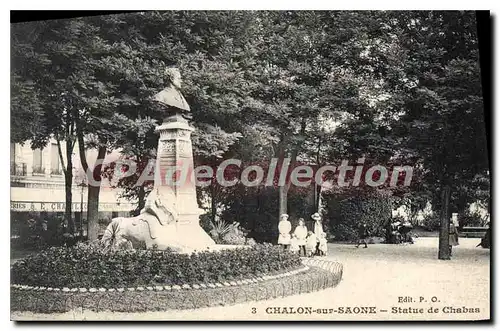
(316, 275)
(92, 266)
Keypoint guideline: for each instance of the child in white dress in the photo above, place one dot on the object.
(311, 243)
(294, 244)
(323, 247)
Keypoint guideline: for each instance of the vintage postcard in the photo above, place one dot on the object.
(250, 165)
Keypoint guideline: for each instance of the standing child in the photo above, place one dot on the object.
(294, 245)
(284, 228)
(323, 247)
(311, 244)
(301, 235)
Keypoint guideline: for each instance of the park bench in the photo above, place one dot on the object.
(472, 231)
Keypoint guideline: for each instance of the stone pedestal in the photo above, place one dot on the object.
(174, 180)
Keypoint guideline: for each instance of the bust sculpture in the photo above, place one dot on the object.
(170, 96)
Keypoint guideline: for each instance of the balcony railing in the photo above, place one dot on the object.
(18, 169)
(38, 170)
(56, 172)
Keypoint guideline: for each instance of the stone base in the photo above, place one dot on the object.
(175, 191)
(193, 237)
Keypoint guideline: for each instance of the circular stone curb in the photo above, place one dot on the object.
(314, 275)
(167, 287)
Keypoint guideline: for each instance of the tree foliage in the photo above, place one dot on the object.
(395, 88)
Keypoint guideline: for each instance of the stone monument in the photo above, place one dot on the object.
(176, 152)
(170, 218)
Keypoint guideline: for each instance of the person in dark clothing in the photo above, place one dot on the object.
(453, 236)
(405, 229)
(362, 234)
(486, 240)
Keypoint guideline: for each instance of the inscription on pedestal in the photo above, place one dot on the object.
(168, 147)
(177, 133)
(184, 148)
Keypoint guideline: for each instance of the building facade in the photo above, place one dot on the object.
(38, 187)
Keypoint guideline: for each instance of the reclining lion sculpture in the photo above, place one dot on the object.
(155, 227)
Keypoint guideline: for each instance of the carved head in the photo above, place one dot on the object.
(174, 76)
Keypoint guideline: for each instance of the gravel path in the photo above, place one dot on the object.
(374, 277)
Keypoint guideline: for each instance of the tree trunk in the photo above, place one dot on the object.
(68, 213)
(317, 200)
(93, 197)
(317, 188)
(141, 197)
(283, 189)
(282, 194)
(68, 181)
(141, 193)
(93, 190)
(283, 199)
(213, 204)
(444, 229)
(310, 200)
(93, 212)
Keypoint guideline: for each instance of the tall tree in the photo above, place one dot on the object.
(43, 74)
(443, 121)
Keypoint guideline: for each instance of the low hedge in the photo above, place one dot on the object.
(324, 274)
(90, 265)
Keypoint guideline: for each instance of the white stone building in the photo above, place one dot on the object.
(37, 184)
